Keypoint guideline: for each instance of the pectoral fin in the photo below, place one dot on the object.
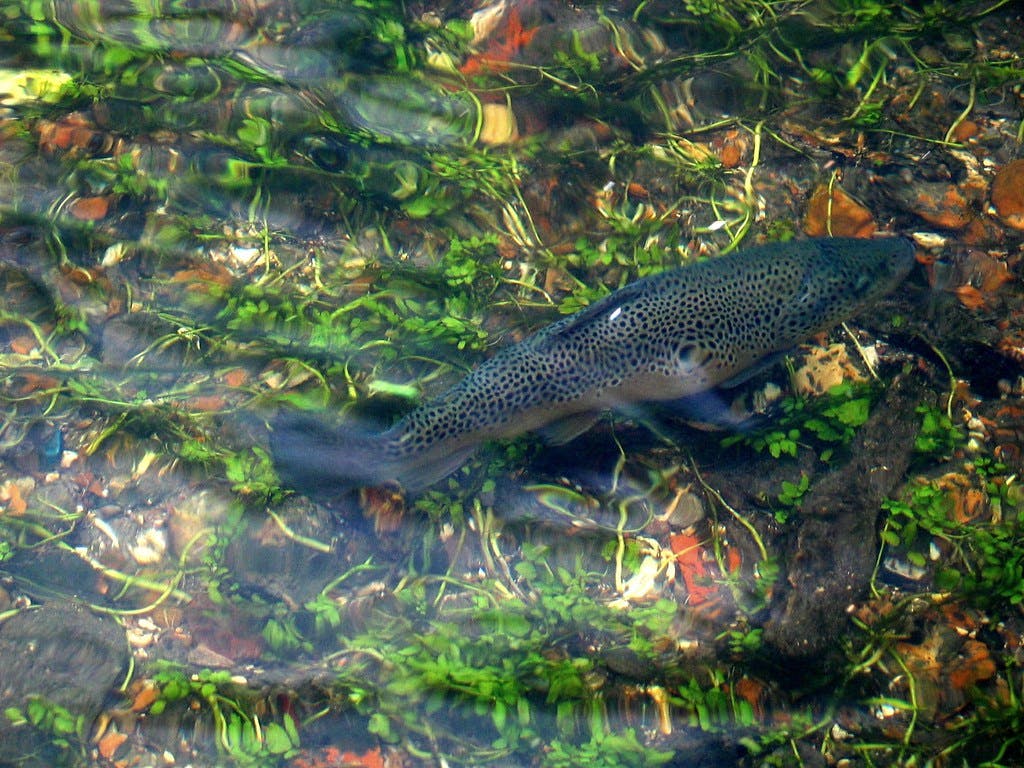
(568, 428)
(757, 368)
(707, 410)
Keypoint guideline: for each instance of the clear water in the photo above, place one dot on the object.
(209, 212)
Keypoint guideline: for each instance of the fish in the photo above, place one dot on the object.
(672, 335)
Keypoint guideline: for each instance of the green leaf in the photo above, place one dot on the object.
(405, 391)
(291, 728)
(380, 725)
(276, 739)
(15, 715)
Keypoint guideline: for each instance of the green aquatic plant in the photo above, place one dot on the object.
(63, 728)
(938, 436)
(792, 493)
(491, 659)
(743, 643)
(992, 732)
(827, 421)
(994, 576)
(252, 475)
(985, 560)
(390, 315)
(499, 661)
(927, 509)
(604, 750)
(241, 734)
(713, 706)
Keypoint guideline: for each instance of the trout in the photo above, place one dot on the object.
(672, 335)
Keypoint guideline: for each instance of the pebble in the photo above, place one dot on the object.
(1008, 194)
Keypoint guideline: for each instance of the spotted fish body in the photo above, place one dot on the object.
(664, 337)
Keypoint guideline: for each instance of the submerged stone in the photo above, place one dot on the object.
(65, 657)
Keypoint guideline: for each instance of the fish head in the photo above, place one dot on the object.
(870, 269)
(844, 276)
(893, 261)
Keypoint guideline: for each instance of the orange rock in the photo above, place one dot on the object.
(733, 559)
(731, 155)
(981, 231)
(145, 698)
(33, 382)
(834, 212)
(973, 665)
(942, 205)
(81, 276)
(1008, 194)
(505, 45)
(208, 403)
(236, 377)
(969, 503)
(371, 758)
(22, 345)
(692, 568)
(110, 742)
(730, 148)
(981, 277)
(970, 297)
(385, 505)
(74, 130)
(89, 208)
(203, 275)
(965, 130)
(637, 190)
(753, 691)
(10, 494)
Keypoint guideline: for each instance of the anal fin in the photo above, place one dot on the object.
(414, 476)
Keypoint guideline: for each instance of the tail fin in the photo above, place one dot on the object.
(318, 458)
(322, 459)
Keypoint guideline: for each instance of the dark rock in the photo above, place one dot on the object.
(61, 654)
(127, 338)
(829, 563)
(51, 573)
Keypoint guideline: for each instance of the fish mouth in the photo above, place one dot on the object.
(887, 269)
(902, 259)
(906, 256)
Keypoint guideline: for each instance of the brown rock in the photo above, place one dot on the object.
(730, 148)
(833, 212)
(1008, 194)
(978, 279)
(89, 208)
(943, 205)
(68, 657)
(966, 130)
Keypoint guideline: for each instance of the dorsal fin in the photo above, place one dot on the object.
(595, 312)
